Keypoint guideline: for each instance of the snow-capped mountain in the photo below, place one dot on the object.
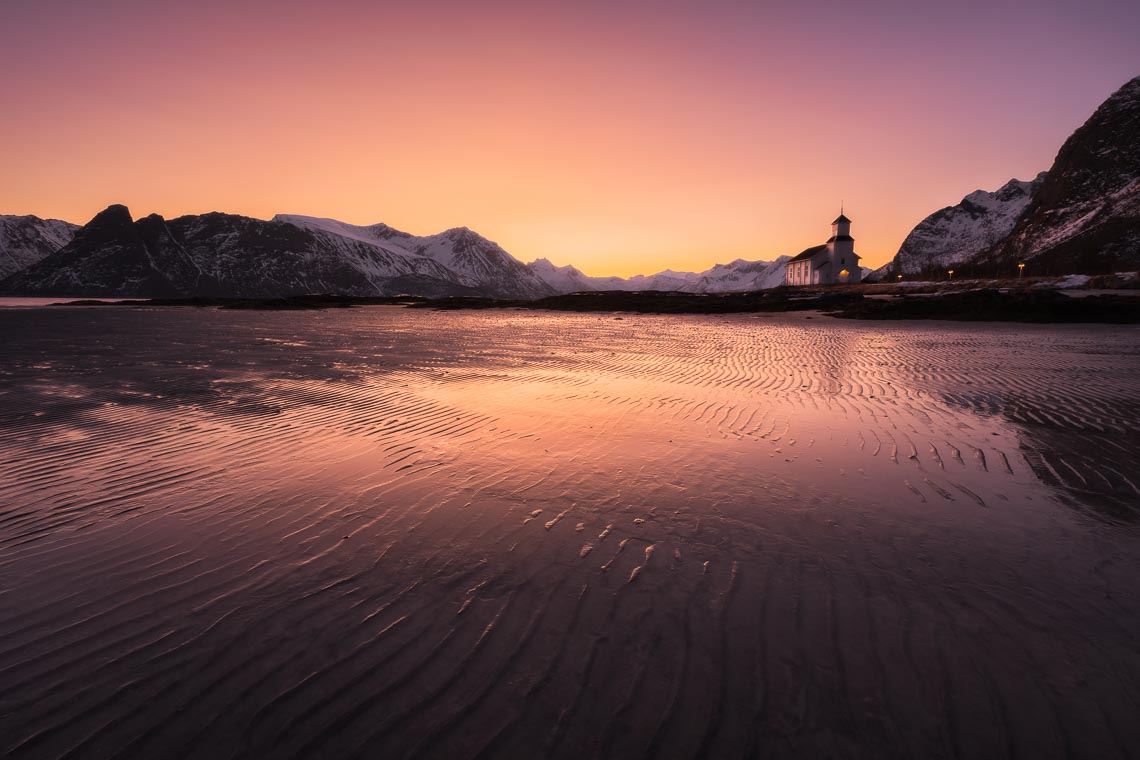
(1080, 217)
(227, 255)
(469, 259)
(664, 280)
(570, 279)
(218, 254)
(1085, 217)
(738, 276)
(24, 240)
(957, 234)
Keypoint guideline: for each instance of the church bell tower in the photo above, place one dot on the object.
(841, 228)
(841, 250)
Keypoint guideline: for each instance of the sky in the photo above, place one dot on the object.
(622, 137)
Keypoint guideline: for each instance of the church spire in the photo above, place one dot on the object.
(841, 227)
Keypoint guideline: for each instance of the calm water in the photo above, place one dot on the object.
(16, 302)
(389, 533)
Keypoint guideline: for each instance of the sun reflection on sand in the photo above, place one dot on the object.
(387, 532)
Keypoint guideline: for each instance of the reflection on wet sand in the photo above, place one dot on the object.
(384, 533)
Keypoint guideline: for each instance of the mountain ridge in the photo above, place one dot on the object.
(1086, 214)
(1082, 216)
(218, 255)
(958, 234)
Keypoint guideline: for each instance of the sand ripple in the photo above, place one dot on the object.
(383, 533)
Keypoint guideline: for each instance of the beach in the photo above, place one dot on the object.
(388, 532)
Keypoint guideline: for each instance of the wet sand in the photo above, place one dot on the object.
(380, 532)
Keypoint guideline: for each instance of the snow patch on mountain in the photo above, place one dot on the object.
(1086, 215)
(956, 234)
(458, 255)
(374, 234)
(26, 240)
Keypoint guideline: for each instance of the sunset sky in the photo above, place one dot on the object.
(622, 137)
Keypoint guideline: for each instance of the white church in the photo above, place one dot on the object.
(833, 263)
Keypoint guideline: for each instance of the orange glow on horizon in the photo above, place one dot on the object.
(622, 141)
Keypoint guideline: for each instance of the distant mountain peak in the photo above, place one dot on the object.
(548, 265)
(960, 233)
(116, 213)
(737, 276)
(27, 240)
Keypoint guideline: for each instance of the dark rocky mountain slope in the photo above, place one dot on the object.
(1085, 217)
(1080, 217)
(235, 256)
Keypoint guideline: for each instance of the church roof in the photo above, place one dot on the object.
(840, 219)
(841, 238)
(808, 253)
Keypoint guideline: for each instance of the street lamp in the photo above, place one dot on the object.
(951, 273)
(1020, 269)
(900, 277)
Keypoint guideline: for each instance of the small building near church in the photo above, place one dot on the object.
(833, 263)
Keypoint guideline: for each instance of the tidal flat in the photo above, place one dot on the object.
(380, 532)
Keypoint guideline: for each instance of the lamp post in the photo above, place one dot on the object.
(1020, 269)
(900, 277)
(951, 273)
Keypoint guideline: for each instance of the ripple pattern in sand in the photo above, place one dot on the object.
(381, 533)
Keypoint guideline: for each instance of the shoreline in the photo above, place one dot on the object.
(988, 304)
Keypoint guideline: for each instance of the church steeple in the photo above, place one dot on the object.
(841, 227)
